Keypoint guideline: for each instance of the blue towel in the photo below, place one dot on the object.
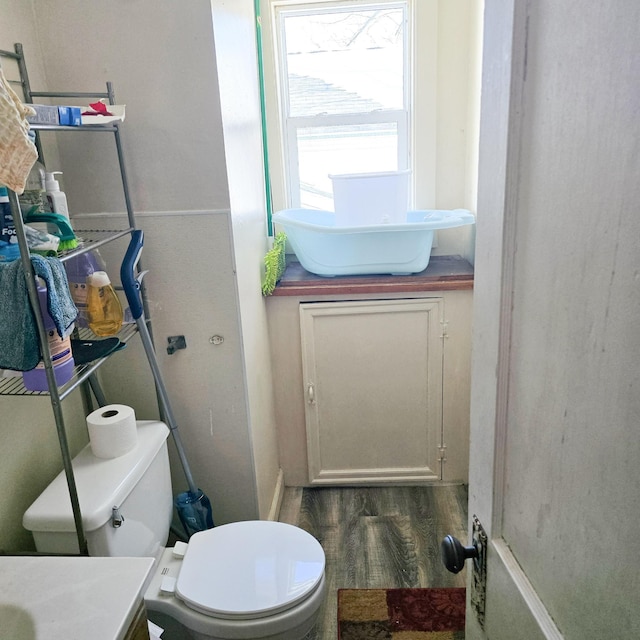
(60, 305)
(19, 345)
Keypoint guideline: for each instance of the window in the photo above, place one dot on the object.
(341, 94)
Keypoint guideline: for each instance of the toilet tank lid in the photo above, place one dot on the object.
(101, 484)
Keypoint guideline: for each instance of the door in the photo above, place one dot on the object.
(372, 372)
(555, 409)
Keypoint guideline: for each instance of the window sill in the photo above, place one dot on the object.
(444, 273)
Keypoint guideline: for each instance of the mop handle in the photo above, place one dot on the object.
(130, 283)
(131, 286)
(164, 399)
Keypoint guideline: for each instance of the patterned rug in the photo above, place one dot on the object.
(401, 614)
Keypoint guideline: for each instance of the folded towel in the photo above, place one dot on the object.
(17, 152)
(19, 345)
(60, 304)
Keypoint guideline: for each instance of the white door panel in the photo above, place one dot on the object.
(555, 409)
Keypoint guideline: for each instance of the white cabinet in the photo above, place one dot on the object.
(374, 388)
(372, 373)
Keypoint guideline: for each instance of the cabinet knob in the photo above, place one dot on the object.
(311, 393)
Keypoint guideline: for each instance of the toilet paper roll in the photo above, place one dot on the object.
(112, 431)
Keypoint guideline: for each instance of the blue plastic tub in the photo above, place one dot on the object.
(329, 250)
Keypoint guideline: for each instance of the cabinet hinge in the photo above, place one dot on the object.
(445, 326)
(443, 452)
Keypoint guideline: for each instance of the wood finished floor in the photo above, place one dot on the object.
(378, 537)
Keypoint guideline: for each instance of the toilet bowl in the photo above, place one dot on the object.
(245, 580)
(249, 580)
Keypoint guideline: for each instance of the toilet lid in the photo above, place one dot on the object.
(249, 569)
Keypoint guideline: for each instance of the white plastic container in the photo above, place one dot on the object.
(371, 198)
(327, 249)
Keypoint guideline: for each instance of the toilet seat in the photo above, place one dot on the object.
(249, 570)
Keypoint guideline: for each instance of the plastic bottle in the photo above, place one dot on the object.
(103, 306)
(57, 199)
(78, 269)
(60, 349)
(9, 249)
(34, 194)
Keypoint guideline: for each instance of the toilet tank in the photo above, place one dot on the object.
(138, 483)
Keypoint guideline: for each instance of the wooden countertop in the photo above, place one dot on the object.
(444, 273)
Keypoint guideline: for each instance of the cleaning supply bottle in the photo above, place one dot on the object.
(60, 349)
(57, 199)
(9, 249)
(78, 269)
(34, 197)
(103, 306)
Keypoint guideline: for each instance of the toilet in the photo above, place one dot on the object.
(246, 580)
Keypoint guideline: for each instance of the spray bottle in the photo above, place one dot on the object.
(34, 197)
(78, 269)
(60, 349)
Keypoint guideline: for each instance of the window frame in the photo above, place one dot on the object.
(420, 97)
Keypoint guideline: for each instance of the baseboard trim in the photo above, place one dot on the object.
(278, 494)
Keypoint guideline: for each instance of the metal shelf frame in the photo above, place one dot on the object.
(84, 376)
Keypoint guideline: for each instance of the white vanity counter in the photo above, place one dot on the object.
(70, 598)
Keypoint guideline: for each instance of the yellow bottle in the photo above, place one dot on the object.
(103, 306)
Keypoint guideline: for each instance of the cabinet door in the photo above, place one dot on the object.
(372, 372)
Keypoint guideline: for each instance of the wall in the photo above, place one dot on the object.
(162, 61)
(180, 146)
(457, 117)
(473, 125)
(242, 128)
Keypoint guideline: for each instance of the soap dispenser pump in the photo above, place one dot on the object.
(57, 199)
